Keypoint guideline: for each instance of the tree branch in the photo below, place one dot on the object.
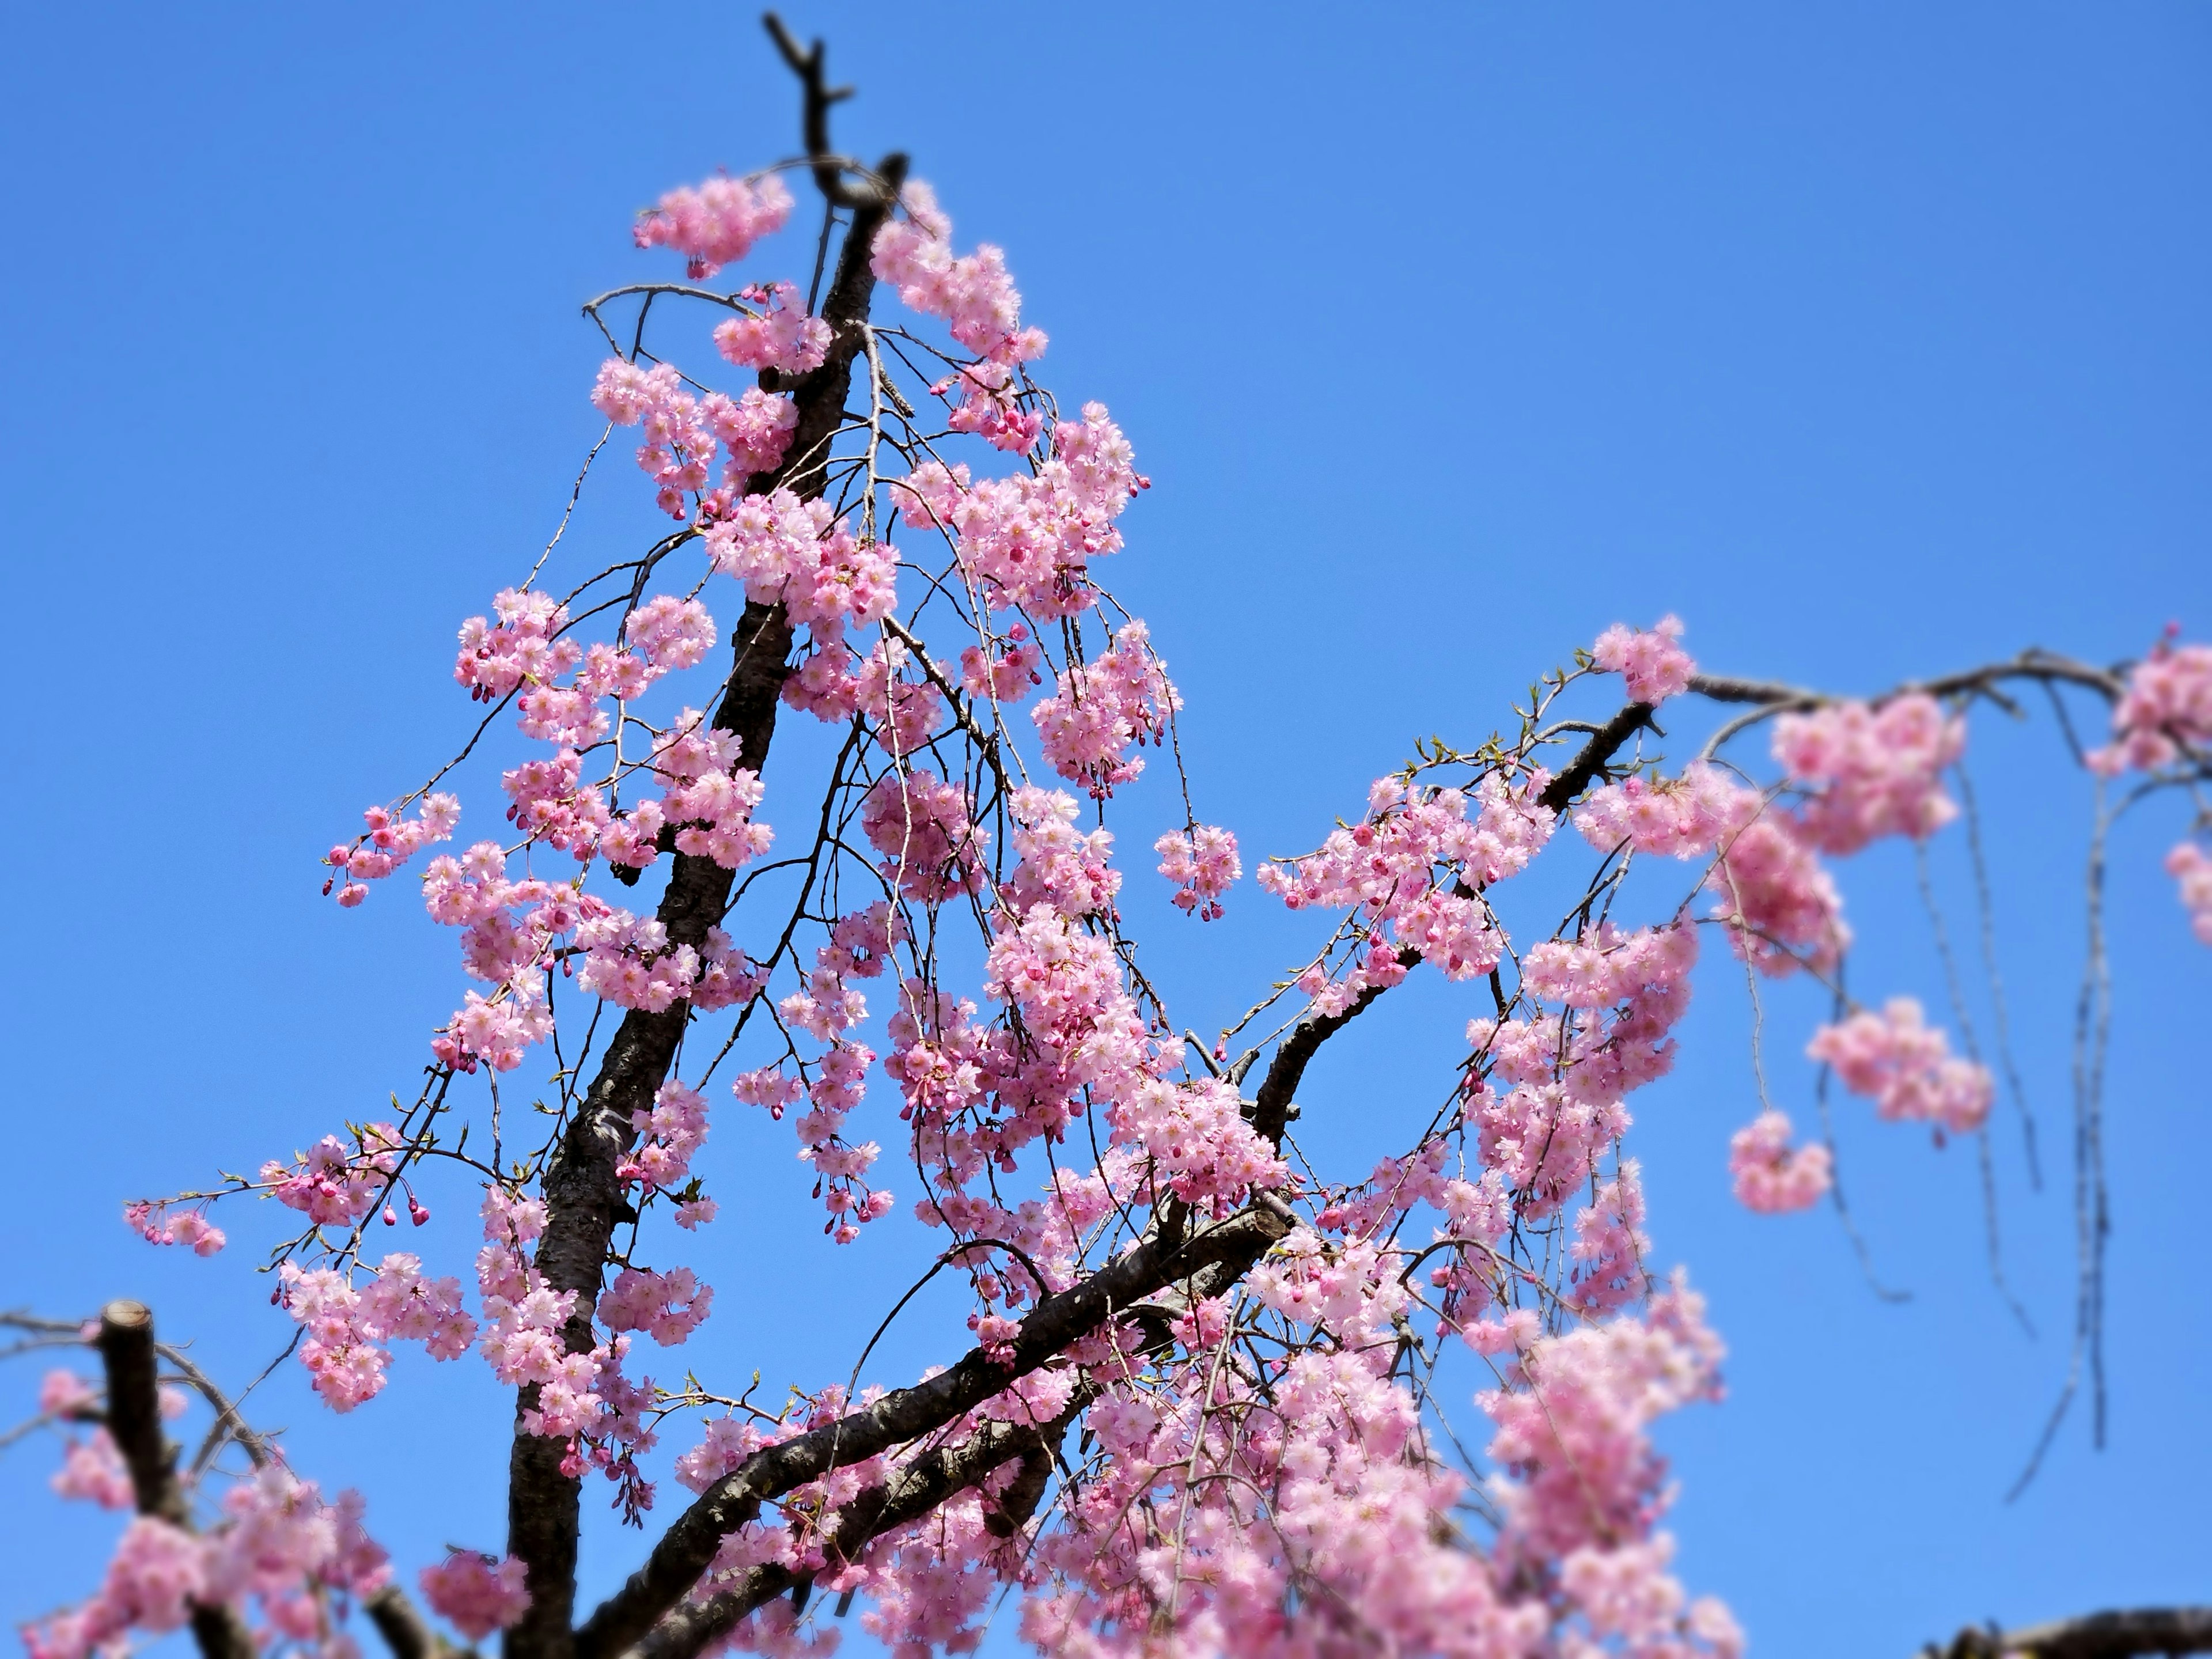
(583, 1195)
(134, 1422)
(404, 1629)
(688, 1548)
(2117, 1635)
(912, 1493)
(2031, 664)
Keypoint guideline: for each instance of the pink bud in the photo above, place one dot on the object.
(416, 1212)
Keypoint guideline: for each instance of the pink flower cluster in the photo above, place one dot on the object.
(2165, 712)
(781, 336)
(666, 1306)
(1771, 1176)
(1779, 904)
(1410, 874)
(277, 1543)
(1065, 869)
(525, 1317)
(2188, 864)
(1654, 663)
(799, 554)
(347, 1329)
(1871, 772)
(1198, 1140)
(2165, 716)
(1202, 862)
(475, 1594)
(158, 1225)
(716, 224)
(1573, 1436)
(1089, 723)
(333, 1185)
(683, 433)
(1566, 1073)
(1027, 541)
(668, 1136)
(932, 848)
(971, 292)
(389, 843)
(1904, 1065)
(93, 1472)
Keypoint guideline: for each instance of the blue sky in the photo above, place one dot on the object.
(1873, 340)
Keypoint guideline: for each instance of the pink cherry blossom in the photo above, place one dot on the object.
(714, 225)
(1771, 1176)
(1906, 1067)
(1654, 663)
(476, 1593)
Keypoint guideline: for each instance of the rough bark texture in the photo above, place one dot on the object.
(134, 1422)
(583, 1195)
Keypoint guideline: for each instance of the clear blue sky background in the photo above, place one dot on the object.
(1873, 339)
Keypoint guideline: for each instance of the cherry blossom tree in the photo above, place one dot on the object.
(1198, 1412)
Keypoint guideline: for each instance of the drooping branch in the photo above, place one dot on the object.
(134, 1422)
(583, 1195)
(2117, 1635)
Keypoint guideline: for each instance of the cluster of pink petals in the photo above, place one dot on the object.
(972, 293)
(668, 1136)
(1872, 772)
(1653, 663)
(2189, 865)
(277, 1543)
(1566, 1074)
(93, 1472)
(389, 843)
(1200, 1146)
(1778, 901)
(1028, 540)
(158, 1225)
(781, 337)
(1066, 869)
(1002, 675)
(666, 1306)
(1904, 1065)
(347, 1329)
(1581, 1470)
(1202, 862)
(1773, 1177)
(1682, 817)
(332, 1184)
(2165, 712)
(932, 847)
(799, 554)
(1101, 710)
(1410, 874)
(683, 433)
(717, 224)
(475, 1594)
